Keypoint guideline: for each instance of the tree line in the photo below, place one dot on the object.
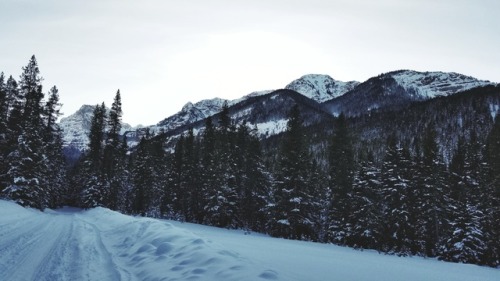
(409, 203)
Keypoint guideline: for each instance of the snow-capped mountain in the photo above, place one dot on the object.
(317, 87)
(387, 91)
(76, 127)
(191, 113)
(321, 88)
(400, 88)
(266, 113)
(435, 84)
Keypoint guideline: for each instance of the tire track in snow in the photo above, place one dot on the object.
(55, 264)
(100, 253)
(19, 256)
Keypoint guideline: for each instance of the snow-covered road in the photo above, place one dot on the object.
(99, 244)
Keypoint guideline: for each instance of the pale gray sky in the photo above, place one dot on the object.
(164, 53)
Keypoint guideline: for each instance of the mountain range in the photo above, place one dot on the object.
(320, 98)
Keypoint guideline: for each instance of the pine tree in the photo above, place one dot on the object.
(291, 214)
(94, 184)
(396, 189)
(96, 136)
(26, 171)
(4, 114)
(491, 195)
(366, 216)
(55, 177)
(464, 238)
(253, 181)
(221, 197)
(113, 141)
(207, 170)
(147, 178)
(431, 196)
(342, 168)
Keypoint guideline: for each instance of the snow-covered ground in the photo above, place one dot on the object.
(99, 244)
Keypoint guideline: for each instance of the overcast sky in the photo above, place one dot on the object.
(163, 53)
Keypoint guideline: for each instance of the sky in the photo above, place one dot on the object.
(162, 54)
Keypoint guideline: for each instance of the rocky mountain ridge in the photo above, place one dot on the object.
(384, 92)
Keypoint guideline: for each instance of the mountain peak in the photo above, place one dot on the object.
(436, 83)
(187, 107)
(320, 87)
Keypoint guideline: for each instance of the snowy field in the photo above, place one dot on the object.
(99, 244)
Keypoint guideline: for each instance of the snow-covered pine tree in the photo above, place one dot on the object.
(395, 178)
(222, 197)
(464, 238)
(253, 180)
(209, 182)
(491, 195)
(115, 122)
(113, 155)
(147, 177)
(341, 160)
(27, 157)
(4, 114)
(56, 180)
(430, 196)
(191, 178)
(366, 216)
(291, 213)
(94, 185)
(13, 107)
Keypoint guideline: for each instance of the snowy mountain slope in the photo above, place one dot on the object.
(434, 84)
(317, 87)
(76, 127)
(388, 91)
(191, 113)
(267, 113)
(99, 244)
(394, 90)
(321, 88)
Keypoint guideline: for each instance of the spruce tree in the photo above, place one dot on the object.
(4, 114)
(147, 178)
(464, 240)
(94, 184)
(366, 217)
(253, 180)
(113, 141)
(56, 179)
(491, 195)
(291, 213)
(342, 169)
(397, 231)
(221, 204)
(27, 170)
(431, 196)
